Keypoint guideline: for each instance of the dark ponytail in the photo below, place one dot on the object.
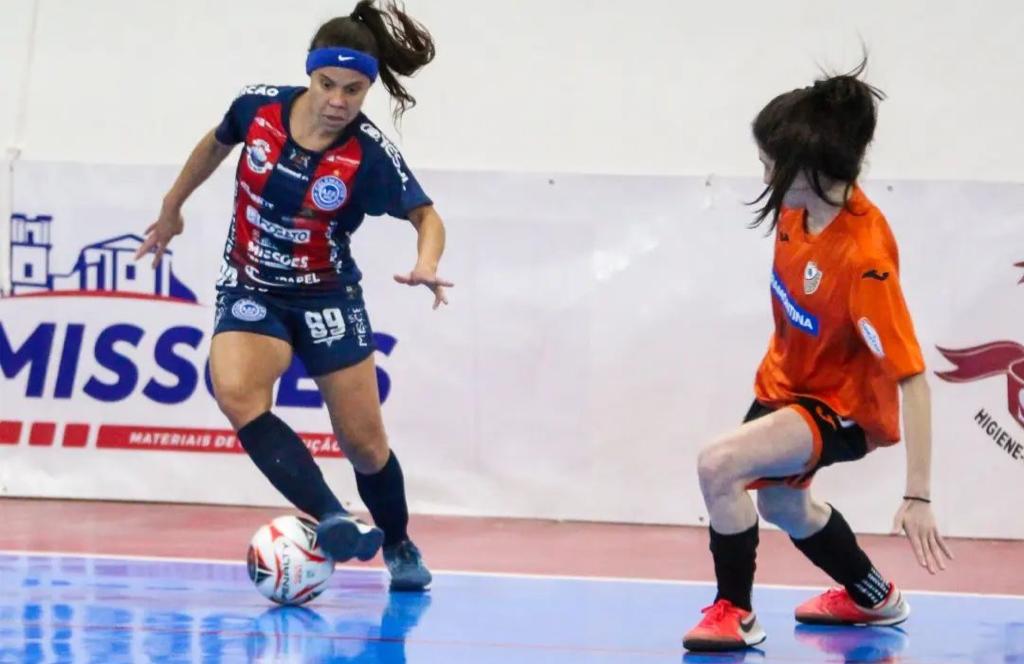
(822, 131)
(399, 42)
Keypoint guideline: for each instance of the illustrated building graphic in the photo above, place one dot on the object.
(105, 266)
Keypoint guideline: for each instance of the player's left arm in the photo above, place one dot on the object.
(879, 310)
(915, 516)
(429, 248)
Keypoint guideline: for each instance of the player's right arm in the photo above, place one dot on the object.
(204, 160)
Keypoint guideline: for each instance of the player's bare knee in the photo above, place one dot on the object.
(716, 467)
(239, 403)
(368, 451)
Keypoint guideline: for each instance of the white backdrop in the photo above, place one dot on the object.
(607, 86)
(601, 330)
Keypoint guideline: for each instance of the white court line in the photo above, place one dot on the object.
(504, 575)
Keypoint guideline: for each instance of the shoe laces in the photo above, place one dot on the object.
(836, 597)
(718, 611)
(407, 552)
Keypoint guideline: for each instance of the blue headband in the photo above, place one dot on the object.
(348, 58)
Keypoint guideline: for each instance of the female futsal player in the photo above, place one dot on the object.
(828, 388)
(311, 168)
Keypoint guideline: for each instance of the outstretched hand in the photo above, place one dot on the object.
(422, 276)
(915, 518)
(159, 234)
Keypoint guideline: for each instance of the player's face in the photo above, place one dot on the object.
(337, 95)
(769, 165)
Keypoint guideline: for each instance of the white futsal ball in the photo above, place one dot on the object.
(285, 562)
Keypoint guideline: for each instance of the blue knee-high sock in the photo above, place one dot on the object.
(286, 461)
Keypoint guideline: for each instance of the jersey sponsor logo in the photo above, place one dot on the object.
(298, 279)
(812, 278)
(248, 310)
(390, 149)
(307, 279)
(356, 317)
(871, 337)
(800, 318)
(257, 156)
(873, 274)
(269, 256)
(340, 159)
(295, 235)
(253, 196)
(289, 172)
(329, 193)
(269, 126)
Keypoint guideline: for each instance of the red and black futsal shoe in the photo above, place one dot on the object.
(724, 627)
(836, 607)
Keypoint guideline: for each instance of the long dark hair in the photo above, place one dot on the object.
(821, 131)
(400, 43)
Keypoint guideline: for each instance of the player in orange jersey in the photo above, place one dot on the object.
(828, 388)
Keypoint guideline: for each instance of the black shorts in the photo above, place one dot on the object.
(835, 440)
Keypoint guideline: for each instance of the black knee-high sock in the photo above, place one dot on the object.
(282, 456)
(734, 557)
(835, 550)
(384, 495)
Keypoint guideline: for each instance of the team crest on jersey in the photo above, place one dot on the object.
(257, 156)
(329, 193)
(812, 278)
(248, 310)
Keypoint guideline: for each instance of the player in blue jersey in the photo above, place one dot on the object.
(312, 166)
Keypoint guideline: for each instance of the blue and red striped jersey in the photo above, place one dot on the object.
(296, 209)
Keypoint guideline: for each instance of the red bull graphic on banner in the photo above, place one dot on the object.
(87, 344)
(992, 360)
(999, 358)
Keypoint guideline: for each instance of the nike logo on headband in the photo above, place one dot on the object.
(345, 58)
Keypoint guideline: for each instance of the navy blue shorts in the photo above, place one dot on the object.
(328, 331)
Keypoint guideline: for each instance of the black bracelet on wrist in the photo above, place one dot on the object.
(918, 499)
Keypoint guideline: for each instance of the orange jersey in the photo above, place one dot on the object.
(843, 334)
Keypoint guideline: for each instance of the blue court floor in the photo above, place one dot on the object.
(87, 609)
